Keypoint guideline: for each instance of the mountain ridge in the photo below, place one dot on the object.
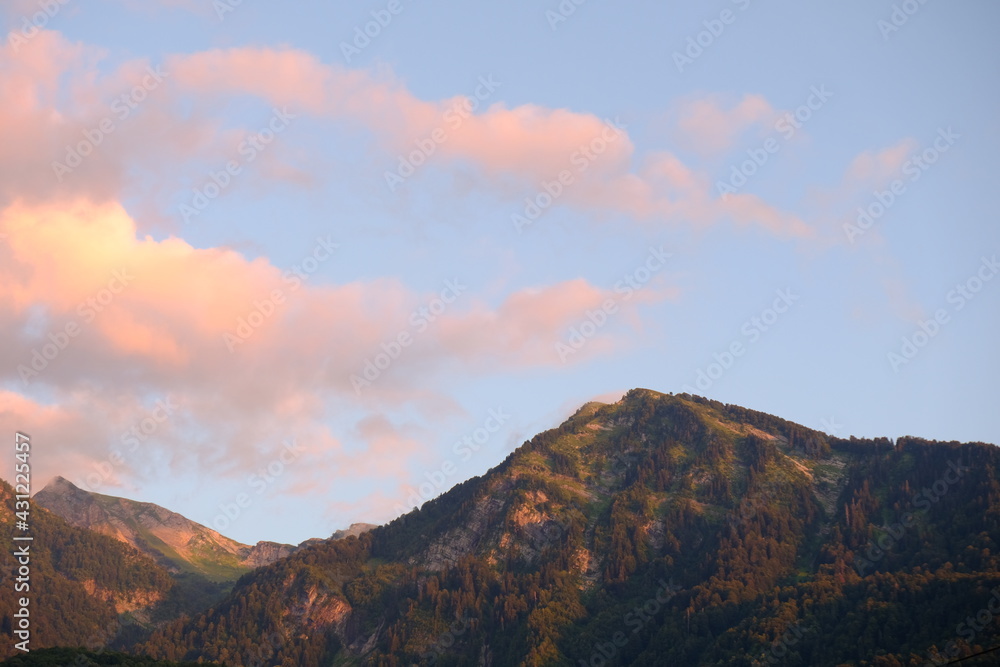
(171, 539)
(660, 529)
(748, 519)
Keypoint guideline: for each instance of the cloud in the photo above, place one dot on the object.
(154, 319)
(529, 140)
(56, 425)
(163, 319)
(526, 145)
(706, 127)
(837, 203)
(529, 322)
(668, 190)
(875, 168)
(166, 307)
(171, 131)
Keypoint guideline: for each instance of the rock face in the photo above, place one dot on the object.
(265, 553)
(173, 540)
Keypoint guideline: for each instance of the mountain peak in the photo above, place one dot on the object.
(356, 529)
(60, 482)
(575, 535)
(61, 487)
(176, 542)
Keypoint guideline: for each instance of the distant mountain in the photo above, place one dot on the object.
(661, 530)
(355, 530)
(106, 571)
(85, 589)
(179, 544)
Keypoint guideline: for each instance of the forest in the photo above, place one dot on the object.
(662, 530)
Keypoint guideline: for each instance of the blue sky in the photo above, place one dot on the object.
(887, 328)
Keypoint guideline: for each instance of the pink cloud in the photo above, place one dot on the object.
(153, 316)
(529, 143)
(527, 139)
(48, 423)
(666, 189)
(705, 126)
(514, 150)
(865, 173)
(875, 168)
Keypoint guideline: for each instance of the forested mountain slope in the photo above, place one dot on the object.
(661, 530)
(80, 584)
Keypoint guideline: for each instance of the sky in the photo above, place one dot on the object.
(281, 267)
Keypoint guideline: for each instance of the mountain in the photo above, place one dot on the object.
(355, 530)
(177, 543)
(85, 589)
(105, 571)
(660, 530)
